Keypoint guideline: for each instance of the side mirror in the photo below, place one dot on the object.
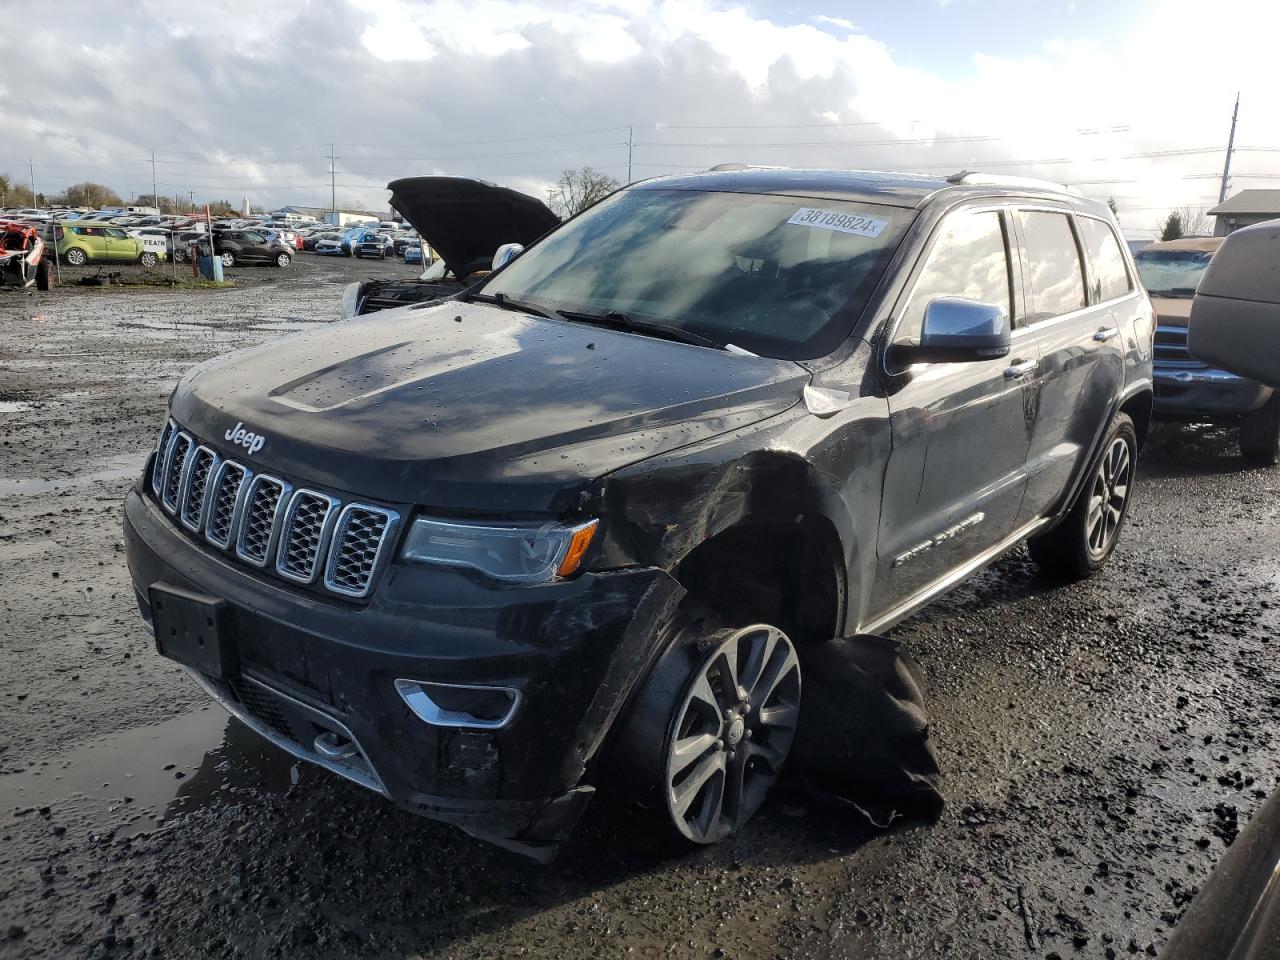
(506, 253)
(1235, 316)
(958, 331)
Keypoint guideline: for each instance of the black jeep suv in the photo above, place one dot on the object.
(586, 518)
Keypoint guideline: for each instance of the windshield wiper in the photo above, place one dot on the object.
(618, 320)
(523, 306)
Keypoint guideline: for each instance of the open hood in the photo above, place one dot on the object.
(465, 221)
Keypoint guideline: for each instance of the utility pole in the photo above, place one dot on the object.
(191, 198)
(1231, 142)
(155, 197)
(31, 170)
(333, 195)
(631, 132)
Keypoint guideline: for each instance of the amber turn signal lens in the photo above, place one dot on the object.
(577, 547)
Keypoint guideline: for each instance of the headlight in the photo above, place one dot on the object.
(350, 300)
(522, 553)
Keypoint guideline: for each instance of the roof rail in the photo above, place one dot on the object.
(970, 178)
(724, 167)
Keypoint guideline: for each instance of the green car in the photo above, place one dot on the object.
(78, 243)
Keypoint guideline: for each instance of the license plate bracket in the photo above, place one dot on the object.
(190, 628)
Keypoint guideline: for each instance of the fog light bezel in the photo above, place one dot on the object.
(416, 695)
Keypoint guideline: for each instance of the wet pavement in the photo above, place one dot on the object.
(1101, 743)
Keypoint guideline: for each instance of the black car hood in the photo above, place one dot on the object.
(470, 407)
(465, 221)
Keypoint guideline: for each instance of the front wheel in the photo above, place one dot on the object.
(712, 727)
(283, 260)
(1080, 545)
(228, 259)
(1260, 434)
(44, 275)
(147, 259)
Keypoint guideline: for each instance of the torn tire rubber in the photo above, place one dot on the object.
(863, 737)
(1079, 546)
(1260, 434)
(712, 727)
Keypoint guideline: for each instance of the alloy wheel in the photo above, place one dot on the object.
(732, 732)
(1108, 496)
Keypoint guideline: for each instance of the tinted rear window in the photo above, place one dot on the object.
(1110, 275)
(1053, 264)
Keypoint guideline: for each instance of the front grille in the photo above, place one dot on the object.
(203, 462)
(261, 511)
(262, 707)
(1171, 347)
(227, 485)
(306, 527)
(261, 519)
(162, 451)
(175, 467)
(358, 541)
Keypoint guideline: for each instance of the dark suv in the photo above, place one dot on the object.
(252, 246)
(584, 521)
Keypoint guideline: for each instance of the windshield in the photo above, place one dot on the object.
(781, 276)
(1172, 271)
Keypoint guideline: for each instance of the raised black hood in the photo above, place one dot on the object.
(470, 407)
(465, 221)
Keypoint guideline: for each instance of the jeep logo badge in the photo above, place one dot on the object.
(253, 442)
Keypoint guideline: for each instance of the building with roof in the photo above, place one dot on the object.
(1245, 209)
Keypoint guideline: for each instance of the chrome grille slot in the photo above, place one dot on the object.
(260, 524)
(175, 468)
(307, 525)
(224, 503)
(203, 463)
(162, 453)
(1171, 347)
(361, 534)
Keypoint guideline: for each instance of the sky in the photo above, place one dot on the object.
(237, 98)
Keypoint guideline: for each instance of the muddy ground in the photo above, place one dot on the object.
(1101, 742)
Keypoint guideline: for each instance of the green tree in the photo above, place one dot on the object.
(6, 184)
(1172, 229)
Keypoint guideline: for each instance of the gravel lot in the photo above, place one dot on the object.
(1101, 743)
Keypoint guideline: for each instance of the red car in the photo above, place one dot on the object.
(22, 257)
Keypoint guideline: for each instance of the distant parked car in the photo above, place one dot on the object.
(155, 239)
(332, 245)
(412, 253)
(252, 246)
(1188, 389)
(372, 245)
(78, 243)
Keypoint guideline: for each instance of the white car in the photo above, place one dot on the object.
(155, 239)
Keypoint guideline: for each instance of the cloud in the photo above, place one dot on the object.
(238, 98)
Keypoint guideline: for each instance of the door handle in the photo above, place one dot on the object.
(1019, 369)
(1106, 333)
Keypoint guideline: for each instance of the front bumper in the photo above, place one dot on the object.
(1202, 393)
(573, 650)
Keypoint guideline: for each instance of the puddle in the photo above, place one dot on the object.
(126, 466)
(149, 774)
(15, 406)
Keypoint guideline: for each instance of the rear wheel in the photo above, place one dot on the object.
(1260, 434)
(713, 725)
(1080, 545)
(228, 259)
(76, 257)
(44, 275)
(147, 259)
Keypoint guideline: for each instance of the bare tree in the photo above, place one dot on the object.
(6, 184)
(578, 189)
(1194, 222)
(1111, 202)
(89, 194)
